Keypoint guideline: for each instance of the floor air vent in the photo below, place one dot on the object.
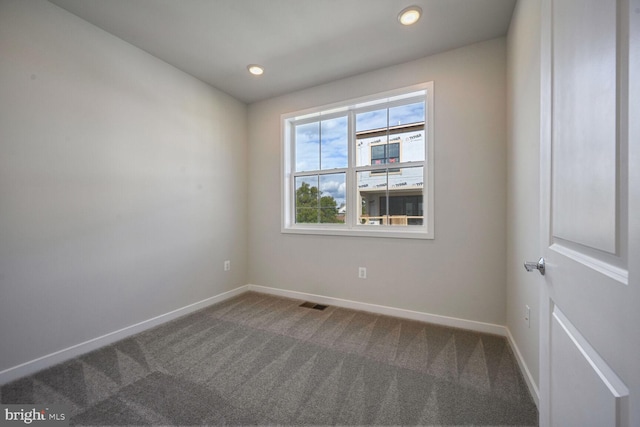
(313, 305)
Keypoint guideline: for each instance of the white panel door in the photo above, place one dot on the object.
(590, 214)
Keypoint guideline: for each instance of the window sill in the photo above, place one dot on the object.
(361, 231)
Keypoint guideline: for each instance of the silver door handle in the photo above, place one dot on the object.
(530, 266)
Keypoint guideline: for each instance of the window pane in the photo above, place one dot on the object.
(370, 187)
(370, 151)
(378, 154)
(371, 120)
(333, 198)
(412, 145)
(308, 147)
(307, 199)
(321, 198)
(394, 197)
(394, 153)
(406, 114)
(403, 209)
(334, 143)
(407, 179)
(406, 132)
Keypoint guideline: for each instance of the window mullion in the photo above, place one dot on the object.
(320, 144)
(319, 215)
(292, 175)
(350, 198)
(387, 212)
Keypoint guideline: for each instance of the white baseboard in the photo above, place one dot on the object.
(533, 388)
(453, 322)
(35, 365)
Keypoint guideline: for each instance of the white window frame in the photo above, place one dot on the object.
(351, 227)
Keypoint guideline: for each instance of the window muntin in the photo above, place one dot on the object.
(337, 175)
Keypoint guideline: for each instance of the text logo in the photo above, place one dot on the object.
(37, 415)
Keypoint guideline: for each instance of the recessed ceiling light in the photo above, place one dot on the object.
(255, 69)
(409, 15)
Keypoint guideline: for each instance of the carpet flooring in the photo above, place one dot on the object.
(259, 359)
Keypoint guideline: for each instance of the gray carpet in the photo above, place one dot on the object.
(260, 359)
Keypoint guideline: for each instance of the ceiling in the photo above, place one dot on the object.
(301, 43)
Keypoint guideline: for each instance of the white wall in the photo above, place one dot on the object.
(122, 184)
(523, 196)
(459, 274)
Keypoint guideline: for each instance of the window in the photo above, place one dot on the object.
(363, 167)
(385, 153)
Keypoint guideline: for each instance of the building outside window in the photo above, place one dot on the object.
(364, 167)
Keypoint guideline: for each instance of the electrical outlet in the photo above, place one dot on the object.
(362, 272)
(227, 265)
(527, 315)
